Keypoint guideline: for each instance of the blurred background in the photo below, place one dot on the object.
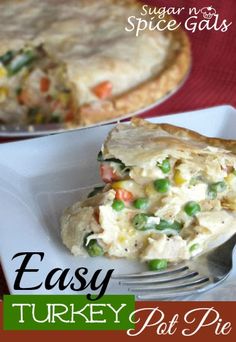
(212, 80)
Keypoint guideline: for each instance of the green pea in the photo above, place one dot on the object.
(194, 247)
(139, 221)
(157, 264)
(234, 172)
(169, 225)
(192, 208)
(141, 203)
(164, 165)
(162, 185)
(94, 249)
(118, 205)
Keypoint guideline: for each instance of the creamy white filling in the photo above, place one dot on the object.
(122, 239)
(163, 247)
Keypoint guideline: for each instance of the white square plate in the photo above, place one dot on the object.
(40, 177)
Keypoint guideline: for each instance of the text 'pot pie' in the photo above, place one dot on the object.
(73, 62)
(169, 192)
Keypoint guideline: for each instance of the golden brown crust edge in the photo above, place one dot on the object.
(146, 93)
(187, 134)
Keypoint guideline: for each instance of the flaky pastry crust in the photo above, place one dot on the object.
(147, 93)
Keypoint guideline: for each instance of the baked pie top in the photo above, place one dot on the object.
(103, 63)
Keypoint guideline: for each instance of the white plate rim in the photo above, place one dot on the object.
(4, 267)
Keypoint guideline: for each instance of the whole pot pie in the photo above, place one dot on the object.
(169, 193)
(73, 62)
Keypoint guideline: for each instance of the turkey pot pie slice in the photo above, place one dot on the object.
(73, 62)
(169, 192)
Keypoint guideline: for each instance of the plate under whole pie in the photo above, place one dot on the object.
(73, 63)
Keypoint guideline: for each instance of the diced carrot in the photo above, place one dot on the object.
(103, 90)
(69, 116)
(24, 97)
(44, 84)
(96, 215)
(124, 195)
(48, 98)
